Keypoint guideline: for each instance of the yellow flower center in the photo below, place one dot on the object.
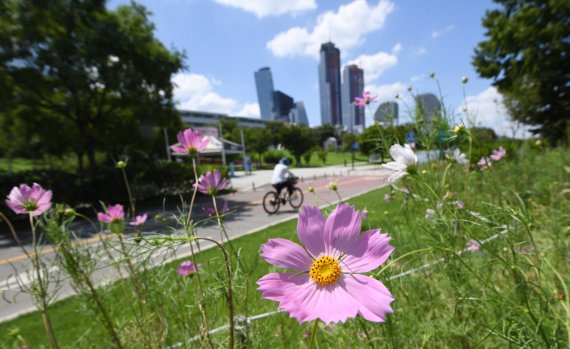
(325, 270)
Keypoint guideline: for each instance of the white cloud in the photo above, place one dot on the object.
(346, 28)
(397, 48)
(195, 92)
(250, 110)
(265, 8)
(375, 65)
(416, 78)
(440, 32)
(487, 110)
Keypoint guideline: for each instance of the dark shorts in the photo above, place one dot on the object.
(287, 184)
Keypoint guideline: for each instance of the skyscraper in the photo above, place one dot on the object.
(282, 105)
(264, 86)
(329, 85)
(298, 115)
(428, 106)
(352, 86)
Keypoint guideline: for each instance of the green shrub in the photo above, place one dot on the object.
(273, 156)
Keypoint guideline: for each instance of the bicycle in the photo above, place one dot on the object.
(272, 201)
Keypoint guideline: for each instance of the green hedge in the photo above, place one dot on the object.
(147, 181)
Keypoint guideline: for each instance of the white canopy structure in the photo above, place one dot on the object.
(219, 147)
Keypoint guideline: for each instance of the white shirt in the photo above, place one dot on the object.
(280, 174)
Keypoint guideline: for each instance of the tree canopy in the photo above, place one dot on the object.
(83, 78)
(527, 54)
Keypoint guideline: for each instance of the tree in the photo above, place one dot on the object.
(323, 132)
(322, 155)
(527, 55)
(297, 139)
(85, 78)
(348, 141)
(374, 140)
(258, 140)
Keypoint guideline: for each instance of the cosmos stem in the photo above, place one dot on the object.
(313, 333)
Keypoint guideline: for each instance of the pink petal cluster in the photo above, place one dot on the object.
(365, 100)
(484, 163)
(327, 281)
(211, 183)
(211, 210)
(33, 200)
(498, 154)
(114, 213)
(473, 245)
(188, 268)
(387, 197)
(190, 142)
(139, 220)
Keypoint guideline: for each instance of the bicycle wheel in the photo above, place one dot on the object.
(296, 198)
(271, 202)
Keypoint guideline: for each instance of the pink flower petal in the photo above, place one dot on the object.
(181, 138)
(310, 227)
(373, 297)
(367, 253)
(15, 206)
(286, 254)
(103, 217)
(305, 301)
(45, 198)
(341, 230)
(178, 149)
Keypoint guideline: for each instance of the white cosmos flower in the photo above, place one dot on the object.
(404, 160)
(458, 157)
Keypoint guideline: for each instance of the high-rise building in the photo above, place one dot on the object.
(352, 86)
(264, 86)
(428, 106)
(329, 85)
(282, 105)
(298, 115)
(387, 114)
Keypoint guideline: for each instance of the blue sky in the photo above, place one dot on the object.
(398, 43)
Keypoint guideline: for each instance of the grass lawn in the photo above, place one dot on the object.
(512, 292)
(67, 163)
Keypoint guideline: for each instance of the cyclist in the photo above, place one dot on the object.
(282, 177)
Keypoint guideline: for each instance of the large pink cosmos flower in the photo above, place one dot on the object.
(211, 183)
(33, 200)
(191, 142)
(114, 213)
(327, 282)
(365, 100)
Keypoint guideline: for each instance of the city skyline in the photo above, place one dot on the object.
(376, 35)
